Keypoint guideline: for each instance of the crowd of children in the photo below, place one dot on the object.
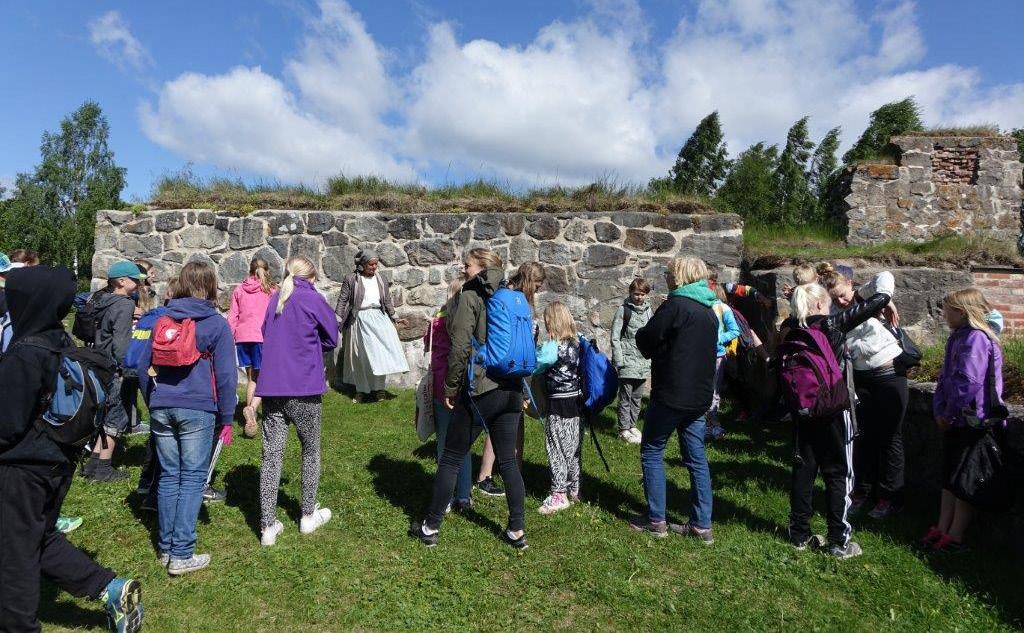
(842, 344)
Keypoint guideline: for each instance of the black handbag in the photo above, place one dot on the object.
(911, 356)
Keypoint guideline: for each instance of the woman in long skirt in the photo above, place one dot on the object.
(371, 349)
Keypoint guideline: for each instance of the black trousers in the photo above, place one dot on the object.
(30, 545)
(824, 445)
(878, 459)
(502, 410)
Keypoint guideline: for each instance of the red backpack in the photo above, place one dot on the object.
(174, 343)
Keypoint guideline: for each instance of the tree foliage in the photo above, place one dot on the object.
(892, 119)
(749, 187)
(824, 165)
(793, 196)
(1019, 135)
(702, 162)
(53, 209)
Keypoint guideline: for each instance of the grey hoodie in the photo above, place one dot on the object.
(114, 331)
(625, 356)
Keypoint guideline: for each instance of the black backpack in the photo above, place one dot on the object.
(71, 412)
(87, 317)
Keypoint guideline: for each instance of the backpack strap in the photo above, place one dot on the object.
(627, 314)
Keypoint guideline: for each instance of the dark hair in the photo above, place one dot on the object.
(198, 280)
(25, 256)
(639, 285)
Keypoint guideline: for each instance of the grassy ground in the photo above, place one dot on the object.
(584, 570)
(1013, 366)
(773, 246)
(371, 193)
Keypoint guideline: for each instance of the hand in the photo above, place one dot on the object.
(526, 404)
(449, 402)
(942, 422)
(227, 434)
(891, 314)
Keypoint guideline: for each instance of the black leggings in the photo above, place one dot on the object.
(501, 409)
(878, 460)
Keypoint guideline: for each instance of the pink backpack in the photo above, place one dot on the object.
(810, 378)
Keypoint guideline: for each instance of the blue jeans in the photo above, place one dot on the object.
(464, 480)
(659, 424)
(183, 438)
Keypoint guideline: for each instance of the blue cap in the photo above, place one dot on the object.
(124, 269)
(5, 263)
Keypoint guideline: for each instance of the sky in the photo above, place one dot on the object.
(527, 93)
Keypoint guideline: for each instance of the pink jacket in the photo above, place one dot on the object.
(439, 348)
(248, 308)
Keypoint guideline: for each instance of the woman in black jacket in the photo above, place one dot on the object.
(827, 444)
(681, 339)
(35, 472)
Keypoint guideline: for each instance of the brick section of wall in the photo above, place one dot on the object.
(1004, 290)
(954, 165)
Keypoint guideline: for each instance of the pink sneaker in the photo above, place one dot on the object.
(556, 501)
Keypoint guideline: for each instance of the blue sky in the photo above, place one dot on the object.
(527, 92)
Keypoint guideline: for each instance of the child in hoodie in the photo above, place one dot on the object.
(186, 405)
(968, 396)
(632, 367)
(115, 312)
(728, 331)
(299, 328)
(248, 308)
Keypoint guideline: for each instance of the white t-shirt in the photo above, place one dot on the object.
(371, 292)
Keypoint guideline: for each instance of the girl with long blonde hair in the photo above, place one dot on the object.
(248, 308)
(968, 396)
(298, 329)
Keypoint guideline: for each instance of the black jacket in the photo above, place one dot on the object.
(837, 326)
(681, 339)
(39, 297)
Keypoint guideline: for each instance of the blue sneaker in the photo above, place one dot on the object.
(122, 599)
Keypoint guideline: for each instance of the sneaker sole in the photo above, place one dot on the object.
(182, 572)
(490, 494)
(644, 530)
(130, 603)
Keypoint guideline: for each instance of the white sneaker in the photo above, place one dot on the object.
(556, 501)
(629, 436)
(310, 522)
(269, 536)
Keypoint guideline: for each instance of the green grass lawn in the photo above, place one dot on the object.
(585, 568)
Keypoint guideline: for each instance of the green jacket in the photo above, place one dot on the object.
(467, 319)
(625, 356)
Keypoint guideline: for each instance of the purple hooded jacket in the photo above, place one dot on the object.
(294, 343)
(962, 382)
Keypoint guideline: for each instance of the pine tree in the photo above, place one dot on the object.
(54, 208)
(892, 119)
(823, 166)
(702, 162)
(792, 195)
(749, 187)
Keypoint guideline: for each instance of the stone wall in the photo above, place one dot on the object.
(1004, 289)
(961, 185)
(590, 258)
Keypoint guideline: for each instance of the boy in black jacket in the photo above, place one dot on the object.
(35, 472)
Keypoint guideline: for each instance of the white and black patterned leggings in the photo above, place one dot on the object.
(564, 441)
(304, 413)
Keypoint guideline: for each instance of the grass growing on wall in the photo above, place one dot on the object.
(183, 191)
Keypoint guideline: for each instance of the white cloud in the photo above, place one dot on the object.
(248, 120)
(584, 99)
(112, 38)
(570, 105)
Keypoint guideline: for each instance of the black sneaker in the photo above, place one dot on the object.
(416, 531)
(518, 543)
(489, 488)
(212, 495)
(106, 475)
(814, 542)
(461, 506)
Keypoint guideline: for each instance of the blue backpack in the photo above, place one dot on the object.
(72, 411)
(509, 351)
(142, 335)
(600, 380)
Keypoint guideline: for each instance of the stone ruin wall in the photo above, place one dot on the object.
(939, 185)
(590, 258)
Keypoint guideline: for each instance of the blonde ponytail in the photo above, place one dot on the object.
(805, 299)
(294, 267)
(260, 269)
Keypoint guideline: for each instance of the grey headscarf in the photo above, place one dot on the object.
(364, 257)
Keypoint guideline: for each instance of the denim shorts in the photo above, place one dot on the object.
(249, 354)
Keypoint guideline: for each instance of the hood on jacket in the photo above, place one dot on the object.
(190, 308)
(252, 285)
(39, 298)
(489, 280)
(634, 307)
(697, 291)
(106, 299)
